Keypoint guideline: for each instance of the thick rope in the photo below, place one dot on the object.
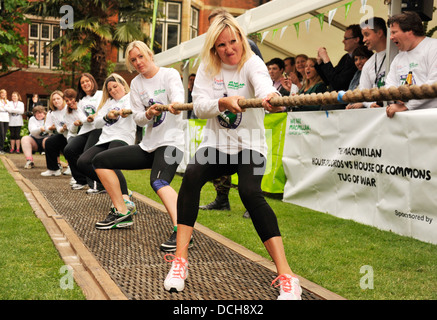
(403, 93)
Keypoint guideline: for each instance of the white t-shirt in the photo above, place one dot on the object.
(16, 110)
(4, 114)
(69, 119)
(88, 106)
(227, 132)
(422, 62)
(34, 127)
(119, 129)
(164, 88)
(56, 118)
(373, 73)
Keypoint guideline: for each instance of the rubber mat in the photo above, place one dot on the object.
(132, 257)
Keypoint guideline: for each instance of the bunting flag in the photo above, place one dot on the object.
(347, 8)
(264, 36)
(307, 24)
(321, 18)
(296, 26)
(282, 31)
(331, 15)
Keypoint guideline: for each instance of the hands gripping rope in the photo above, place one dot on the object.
(402, 93)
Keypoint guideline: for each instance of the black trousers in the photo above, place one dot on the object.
(74, 149)
(85, 162)
(208, 164)
(164, 162)
(55, 145)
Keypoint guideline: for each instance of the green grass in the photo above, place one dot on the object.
(30, 264)
(324, 249)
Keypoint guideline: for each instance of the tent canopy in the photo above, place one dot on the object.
(287, 28)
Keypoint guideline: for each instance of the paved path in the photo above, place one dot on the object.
(127, 263)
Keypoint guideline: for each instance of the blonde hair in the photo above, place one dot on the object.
(6, 93)
(142, 47)
(51, 105)
(209, 54)
(112, 77)
(18, 95)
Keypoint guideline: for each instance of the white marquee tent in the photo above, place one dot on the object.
(276, 24)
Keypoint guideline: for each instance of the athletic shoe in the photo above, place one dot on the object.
(67, 171)
(78, 186)
(175, 280)
(129, 205)
(289, 287)
(50, 173)
(72, 181)
(95, 191)
(115, 220)
(29, 164)
(170, 244)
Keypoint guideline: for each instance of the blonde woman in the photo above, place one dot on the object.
(4, 119)
(234, 142)
(161, 148)
(54, 124)
(118, 130)
(16, 110)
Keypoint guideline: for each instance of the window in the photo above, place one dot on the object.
(194, 23)
(168, 26)
(40, 37)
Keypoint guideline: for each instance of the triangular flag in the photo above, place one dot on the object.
(274, 32)
(307, 24)
(264, 36)
(186, 63)
(296, 26)
(347, 7)
(331, 15)
(363, 3)
(321, 18)
(195, 62)
(282, 31)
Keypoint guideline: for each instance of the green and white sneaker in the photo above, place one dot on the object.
(115, 220)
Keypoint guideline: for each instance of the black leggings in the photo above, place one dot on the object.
(85, 162)
(163, 161)
(208, 164)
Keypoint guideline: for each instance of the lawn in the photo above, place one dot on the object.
(31, 268)
(351, 259)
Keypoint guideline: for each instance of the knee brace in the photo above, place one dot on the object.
(158, 184)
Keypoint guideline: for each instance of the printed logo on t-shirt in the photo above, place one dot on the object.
(89, 110)
(229, 120)
(157, 120)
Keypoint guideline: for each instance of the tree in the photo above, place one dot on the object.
(98, 26)
(10, 39)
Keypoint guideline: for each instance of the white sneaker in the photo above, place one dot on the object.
(289, 287)
(67, 171)
(50, 173)
(175, 280)
(78, 186)
(72, 181)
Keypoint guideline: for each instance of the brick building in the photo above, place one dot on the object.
(184, 20)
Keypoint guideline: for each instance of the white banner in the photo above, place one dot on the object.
(361, 165)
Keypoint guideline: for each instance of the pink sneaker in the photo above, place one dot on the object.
(289, 287)
(175, 280)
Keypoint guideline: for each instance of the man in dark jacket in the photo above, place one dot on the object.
(339, 77)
